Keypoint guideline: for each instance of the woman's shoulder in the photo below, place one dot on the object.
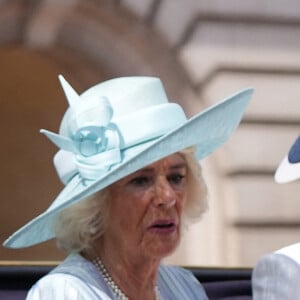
(74, 278)
(181, 282)
(57, 286)
(177, 271)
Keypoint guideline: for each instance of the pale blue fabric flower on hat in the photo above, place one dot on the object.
(90, 144)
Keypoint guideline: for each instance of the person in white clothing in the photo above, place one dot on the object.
(276, 275)
(129, 161)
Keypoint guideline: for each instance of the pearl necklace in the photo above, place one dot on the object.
(110, 282)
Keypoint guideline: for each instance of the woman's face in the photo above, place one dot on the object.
(145, 209)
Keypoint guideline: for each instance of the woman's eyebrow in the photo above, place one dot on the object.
(141, 171)
(179, 166)
(175, 166)
(148, 169)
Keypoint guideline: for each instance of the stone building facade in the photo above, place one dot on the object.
(203, 51)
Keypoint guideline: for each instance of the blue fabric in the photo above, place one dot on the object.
(294, 153)
(173, 282)
(276, 277)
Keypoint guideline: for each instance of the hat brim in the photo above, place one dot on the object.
(207, 131)
(287, 172)
(289, 168)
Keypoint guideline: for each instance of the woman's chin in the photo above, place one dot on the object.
(162, 248)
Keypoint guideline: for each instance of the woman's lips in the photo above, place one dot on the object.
(163, 226)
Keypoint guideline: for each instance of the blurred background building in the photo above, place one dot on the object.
(203, 51)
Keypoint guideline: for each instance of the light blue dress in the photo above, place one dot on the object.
(78, 279)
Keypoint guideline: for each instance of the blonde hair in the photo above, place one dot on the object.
(78, 226)
(197, 198)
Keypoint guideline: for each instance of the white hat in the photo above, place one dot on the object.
(120, 126)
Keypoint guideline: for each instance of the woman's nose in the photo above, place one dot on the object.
(165, 194)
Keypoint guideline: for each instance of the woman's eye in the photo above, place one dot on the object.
(140, 181)
(176, 178)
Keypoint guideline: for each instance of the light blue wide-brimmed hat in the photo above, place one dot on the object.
(117, 127)
(289, 168)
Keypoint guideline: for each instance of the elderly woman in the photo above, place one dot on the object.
(129, 162)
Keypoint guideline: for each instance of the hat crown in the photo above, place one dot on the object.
(129, 94)
(126, 96)
(106, 120)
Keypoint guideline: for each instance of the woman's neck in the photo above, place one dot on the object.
(133, 273)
